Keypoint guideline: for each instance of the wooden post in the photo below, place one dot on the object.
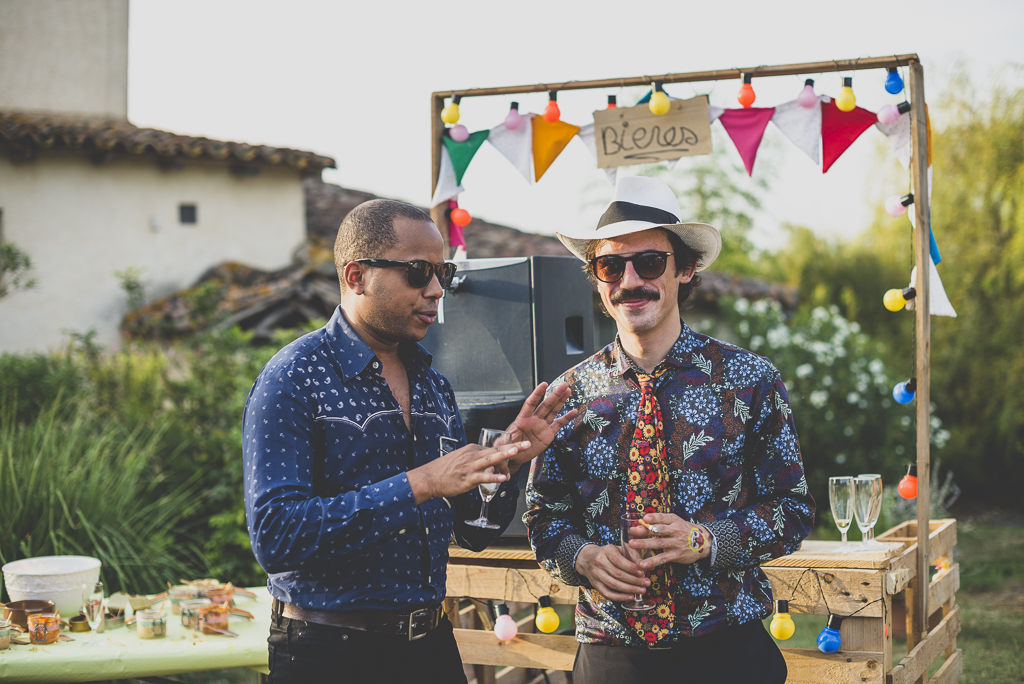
(438, 214)
(922, 257)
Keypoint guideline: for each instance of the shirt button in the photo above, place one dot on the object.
(503, 494)
(401, 531)
(376, 365)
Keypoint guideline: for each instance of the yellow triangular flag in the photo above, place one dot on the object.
(549, 139)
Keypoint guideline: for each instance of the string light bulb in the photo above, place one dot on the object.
(889, 114)
(782, 626)
(903, 392)
(613, 102)
(547, 618)
(459, 133)
(450, 114)
(504, 626)
(896, 299)
(513, 120)
(461, 217)
(908, 485)
(896, 205)
(746, 95)
(829, 640)
(893, 82)
(552, 113)
(847, 100)
(659, 104)
(807, 98)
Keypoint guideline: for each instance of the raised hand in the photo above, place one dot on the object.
(537, 422)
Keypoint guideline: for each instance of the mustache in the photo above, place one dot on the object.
(638, 295)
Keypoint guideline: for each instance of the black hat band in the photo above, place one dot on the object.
(618, 212)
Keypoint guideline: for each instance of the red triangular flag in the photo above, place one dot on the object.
(839, 129)
(745, 127)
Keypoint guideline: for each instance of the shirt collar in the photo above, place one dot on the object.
(353, 355)
(680, 355)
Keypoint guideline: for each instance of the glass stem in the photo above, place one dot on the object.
(844, 536)
(483, 508)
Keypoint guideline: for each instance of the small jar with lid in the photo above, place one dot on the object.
(5, 634)
(43, 628)
(182, 592)
(151, 624)
(213, 619)
(190, 611)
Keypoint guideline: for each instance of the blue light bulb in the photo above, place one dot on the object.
(829, 640)
(904, 392)
(893, 82)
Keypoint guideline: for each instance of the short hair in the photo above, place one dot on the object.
(685, 255)
(368, 231)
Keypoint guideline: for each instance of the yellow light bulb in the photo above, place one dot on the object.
(894, 300)
(659, 103)
(450, 114)
(847, 100)
(547, 618)
(782, 626)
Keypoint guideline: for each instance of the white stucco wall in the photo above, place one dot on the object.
(66, 55)
(79, 223)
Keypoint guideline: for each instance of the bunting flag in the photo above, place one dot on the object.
(715, 113)
(517, 145)
(839, 129)
(898, 135)
(586, 134)
(549, 139)
(463, 152)
(801, 125)
(447, 187)
(933, 247)
(938, 302)
(746, 128)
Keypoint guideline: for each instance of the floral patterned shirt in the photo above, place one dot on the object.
(734, 467)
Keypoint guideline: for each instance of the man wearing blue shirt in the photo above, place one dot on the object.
(357, 472)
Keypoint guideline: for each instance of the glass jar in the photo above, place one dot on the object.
(151, 624)
(190, 611)
(179, 593)
(5, 634)
(213, 619)
(43, 628)
(223, 594)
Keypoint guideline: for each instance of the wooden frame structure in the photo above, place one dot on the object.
(919, 552)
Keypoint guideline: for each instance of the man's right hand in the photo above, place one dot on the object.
(462, 470)
(611, 573)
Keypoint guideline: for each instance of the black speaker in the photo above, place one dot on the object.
(510, 324)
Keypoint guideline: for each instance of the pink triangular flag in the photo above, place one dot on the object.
(839, 129)
(746, 127)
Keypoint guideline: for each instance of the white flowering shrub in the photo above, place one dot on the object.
(840, 389)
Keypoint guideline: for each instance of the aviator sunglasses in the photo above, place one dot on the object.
(419, 271)
(611, 267)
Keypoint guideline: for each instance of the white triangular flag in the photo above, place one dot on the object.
(938, 302)
(802, 126)
(586, 134)
(898, 135)
(446, 188)
(714, 113)
(911, 214)
(516, 146)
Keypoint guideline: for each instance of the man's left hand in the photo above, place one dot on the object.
(671, 535)
(536, 422)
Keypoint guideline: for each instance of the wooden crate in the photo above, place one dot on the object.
(864, 582)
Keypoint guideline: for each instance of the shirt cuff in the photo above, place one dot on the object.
(565, 559)
(392, 504)
(726, 546)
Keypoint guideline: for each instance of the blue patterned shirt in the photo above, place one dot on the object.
(734, 467)
(331, 515)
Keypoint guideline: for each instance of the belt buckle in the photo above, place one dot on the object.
(412, 618)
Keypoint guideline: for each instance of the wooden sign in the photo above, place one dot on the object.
(633, 135)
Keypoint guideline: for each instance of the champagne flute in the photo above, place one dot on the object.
(840, 498)
(92, 607)
(489, 438)
(868, 496)
(627, 522)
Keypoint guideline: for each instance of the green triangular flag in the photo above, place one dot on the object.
(462, 152)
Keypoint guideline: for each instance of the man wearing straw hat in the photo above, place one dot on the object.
(691, 434)
(357, 472)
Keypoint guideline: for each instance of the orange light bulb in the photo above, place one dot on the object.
(746, 95)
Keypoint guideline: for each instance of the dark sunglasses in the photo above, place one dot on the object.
(611, 267)
(419, 272)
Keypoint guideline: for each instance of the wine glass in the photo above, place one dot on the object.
(867, 492)
(489, 438)
(627, 522)
(92, 607)
(840, 498)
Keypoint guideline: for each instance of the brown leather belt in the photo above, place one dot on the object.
(413, 625)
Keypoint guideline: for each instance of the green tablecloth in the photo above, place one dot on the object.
(121, 654)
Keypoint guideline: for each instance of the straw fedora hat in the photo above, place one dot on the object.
(639, 204)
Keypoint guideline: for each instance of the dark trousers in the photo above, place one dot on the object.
(307, 653)
(742, 655)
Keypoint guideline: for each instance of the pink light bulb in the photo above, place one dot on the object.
(514, 120)
(807, 98)
(894, 205)
(459, 133)
(505, 627)
(888, 115)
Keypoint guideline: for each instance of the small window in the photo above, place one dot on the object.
(188, 214)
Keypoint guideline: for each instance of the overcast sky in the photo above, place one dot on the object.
(352, 80)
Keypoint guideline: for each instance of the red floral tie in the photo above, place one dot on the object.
(648, 492)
